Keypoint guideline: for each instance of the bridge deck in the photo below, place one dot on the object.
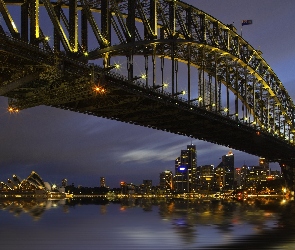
(128, 102)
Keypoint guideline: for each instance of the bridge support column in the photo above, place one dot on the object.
(288, 170)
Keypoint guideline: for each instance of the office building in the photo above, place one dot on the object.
(225, 172)
(258, 175)
(102, 182)
(166, 181)
(207, 177)
(241, 177)
(264, 164)
(146, 186)
(185, 178)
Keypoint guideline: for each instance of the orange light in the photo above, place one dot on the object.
(257, 133)
(13, 110)
(270, 177)
(99, 89)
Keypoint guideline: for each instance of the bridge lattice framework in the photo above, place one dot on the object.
(66, 49)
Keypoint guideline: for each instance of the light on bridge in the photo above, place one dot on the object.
(110, 67)
(182, 92)
(114, 66)
(99, 89)
(164, 85)
(13, 110)
(143, 76)
(14, 26)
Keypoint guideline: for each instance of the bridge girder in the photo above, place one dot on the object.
(37, 71)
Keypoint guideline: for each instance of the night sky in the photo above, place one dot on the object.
(61, 144)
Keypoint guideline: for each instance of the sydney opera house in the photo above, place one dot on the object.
(31, 187)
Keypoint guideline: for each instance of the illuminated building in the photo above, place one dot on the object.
(127, 188)
(258, 175)
(35, 180)
(219, 177)
(263, 163)
(225, 172)
(102, 182)
(185, 179)
(147, 186)
(207, 176)
(237, 177)
(166, 181)
(123, 186)
(275, 174)
(33, 186)
(240, 178)
(229, 170)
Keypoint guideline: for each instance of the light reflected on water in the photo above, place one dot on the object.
(147, 224)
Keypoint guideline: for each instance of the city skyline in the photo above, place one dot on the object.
(63, 144)
(186, 161)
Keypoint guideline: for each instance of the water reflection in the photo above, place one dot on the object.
(33, 207)
(196, 224)
(253, 224)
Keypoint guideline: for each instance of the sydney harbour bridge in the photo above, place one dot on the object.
(161, 64)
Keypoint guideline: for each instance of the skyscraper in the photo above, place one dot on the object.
(225, 172)
(185, 170)
(207, 177)
(264, 164)
(228, 162)
(166, 181)
(102, 182)
(241, 177)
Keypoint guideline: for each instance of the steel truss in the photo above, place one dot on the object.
(54, 60)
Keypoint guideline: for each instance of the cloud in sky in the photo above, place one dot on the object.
(62, 144)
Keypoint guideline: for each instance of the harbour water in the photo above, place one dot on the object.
(87, 224)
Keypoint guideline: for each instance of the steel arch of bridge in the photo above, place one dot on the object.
(57, 71)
